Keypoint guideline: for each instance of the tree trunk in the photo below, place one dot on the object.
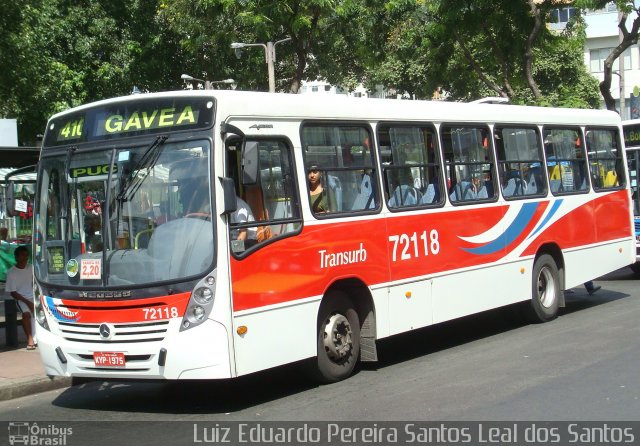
(528, 57)
(628, 38)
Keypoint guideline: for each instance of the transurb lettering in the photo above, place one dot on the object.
(331, 259)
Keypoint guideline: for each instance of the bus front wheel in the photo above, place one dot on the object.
(545, 290)
(338, 338)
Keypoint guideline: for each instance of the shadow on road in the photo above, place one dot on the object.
(228, 396)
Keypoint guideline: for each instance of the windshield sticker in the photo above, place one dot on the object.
(72, 268)
(91, 171)
(123, 156)
(90, 269)
(56, 259)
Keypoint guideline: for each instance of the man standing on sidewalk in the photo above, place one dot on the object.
(20, 286)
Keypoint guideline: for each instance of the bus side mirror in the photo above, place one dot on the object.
(229, 192)
(11, 200)
(250, 162)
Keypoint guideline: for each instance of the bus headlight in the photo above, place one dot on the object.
(40, 315)
(203, 295)
(198, 312)
(200, 304)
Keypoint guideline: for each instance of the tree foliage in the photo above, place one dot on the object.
(61, 53)
(472, 49)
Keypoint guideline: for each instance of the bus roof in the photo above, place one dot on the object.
(285, 105)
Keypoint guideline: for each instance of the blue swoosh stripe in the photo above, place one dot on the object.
(510, 234)
(552, 211)
(52, 307)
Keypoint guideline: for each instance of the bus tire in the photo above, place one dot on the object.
(545, 290)
(338, 339)
(635, 267)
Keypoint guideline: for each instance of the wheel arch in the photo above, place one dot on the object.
(360, 296)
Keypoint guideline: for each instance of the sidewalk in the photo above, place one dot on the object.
(21, 371)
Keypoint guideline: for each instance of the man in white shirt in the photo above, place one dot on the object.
(242, 214)
(20, 286)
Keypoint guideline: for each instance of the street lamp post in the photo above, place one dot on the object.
(269, 55)
(208, 85)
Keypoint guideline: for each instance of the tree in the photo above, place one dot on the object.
(629, 37)
(208, 27)
(475, 48)
(61, 53)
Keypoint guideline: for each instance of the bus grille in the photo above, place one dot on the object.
(122, 333)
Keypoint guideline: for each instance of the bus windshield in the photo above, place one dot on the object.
(125, 215)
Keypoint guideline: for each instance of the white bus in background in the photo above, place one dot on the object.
(631, 130)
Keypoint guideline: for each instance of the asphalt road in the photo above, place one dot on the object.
(492, 367)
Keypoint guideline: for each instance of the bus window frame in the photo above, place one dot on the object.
(502, 174)
(582, 136)
(375, 167)
(238, 181)
(621, 159)
(497, 191)
(438, 162)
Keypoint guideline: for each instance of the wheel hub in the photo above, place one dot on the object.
(337, 337)
(546, 288)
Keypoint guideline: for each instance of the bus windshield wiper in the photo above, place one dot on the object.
(130, 185)
(65, 198)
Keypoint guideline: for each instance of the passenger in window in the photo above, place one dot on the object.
(320, 202)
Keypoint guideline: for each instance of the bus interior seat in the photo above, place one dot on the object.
(534, 186)
(431, 195)
(404, 195)
(510, 189)
(488, 187)
(463, 191)
(336, 187)
(255, 199)
(364, 199)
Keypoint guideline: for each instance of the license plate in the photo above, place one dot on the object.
(108, 359)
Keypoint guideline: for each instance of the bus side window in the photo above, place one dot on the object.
(410, 166)
(566, 160)
(469, 163)
(271, 203)
(342, 156)
(605, 158)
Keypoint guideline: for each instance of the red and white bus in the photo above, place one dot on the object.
(148, 266)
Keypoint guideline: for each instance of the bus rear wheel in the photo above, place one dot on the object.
(338, 338)
(545, 292)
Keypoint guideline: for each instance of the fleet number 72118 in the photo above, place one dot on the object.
(414, 245)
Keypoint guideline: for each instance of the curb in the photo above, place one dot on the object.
(32, 385)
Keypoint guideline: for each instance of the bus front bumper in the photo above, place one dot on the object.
(199, 353)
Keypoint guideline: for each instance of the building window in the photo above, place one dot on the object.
(598, 56)
(327, 88)
(562, 15)
(314, 89)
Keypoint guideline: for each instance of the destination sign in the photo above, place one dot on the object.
(137, 116)
(631, 135)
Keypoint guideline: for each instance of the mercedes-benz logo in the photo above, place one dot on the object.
(105, 331)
